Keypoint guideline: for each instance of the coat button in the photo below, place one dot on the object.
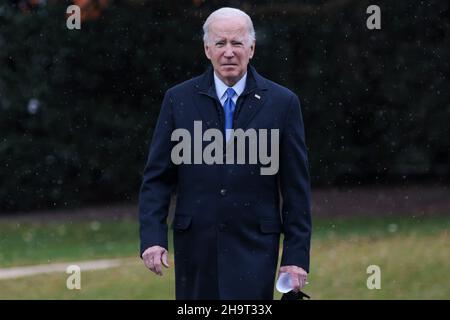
(223, 192)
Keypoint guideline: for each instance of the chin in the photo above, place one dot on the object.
(230, 73)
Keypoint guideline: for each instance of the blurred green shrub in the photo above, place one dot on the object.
(77, 107)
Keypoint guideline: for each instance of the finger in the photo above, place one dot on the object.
(284, 269)
(302, 279)
(149, 262)
(157, 263)
(302, 283)
(305, 280)
(295, 282)
(164, 259)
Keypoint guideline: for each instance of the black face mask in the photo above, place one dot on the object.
(292, 295)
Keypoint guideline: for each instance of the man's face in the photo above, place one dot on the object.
(229, 49)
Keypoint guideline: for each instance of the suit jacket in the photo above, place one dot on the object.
(228, 217)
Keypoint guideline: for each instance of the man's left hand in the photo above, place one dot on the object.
(298, 276)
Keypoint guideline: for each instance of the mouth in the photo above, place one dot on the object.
(229, 65)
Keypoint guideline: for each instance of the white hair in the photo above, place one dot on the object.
(229, 13)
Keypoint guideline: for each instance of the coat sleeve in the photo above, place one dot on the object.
(295, 190)
(158, 182)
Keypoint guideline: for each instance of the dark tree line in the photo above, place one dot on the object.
(77, 108)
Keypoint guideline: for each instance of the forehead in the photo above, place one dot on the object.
(235, 27)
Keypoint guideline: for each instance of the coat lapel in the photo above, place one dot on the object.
(254, 97)
(251, 105)
(206, 101)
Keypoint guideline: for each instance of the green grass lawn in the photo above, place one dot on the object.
(413, 255)
(41, 242)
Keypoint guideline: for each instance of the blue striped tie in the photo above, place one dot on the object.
(229, 107)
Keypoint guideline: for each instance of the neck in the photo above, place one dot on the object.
(229, 81)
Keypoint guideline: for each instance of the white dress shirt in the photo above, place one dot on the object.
(222, 87)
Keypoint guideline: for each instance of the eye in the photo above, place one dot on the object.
(219, 43)
(237, 43)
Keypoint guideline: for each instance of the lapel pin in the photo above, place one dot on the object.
(257, 96)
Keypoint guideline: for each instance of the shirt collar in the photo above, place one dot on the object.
(222, 87)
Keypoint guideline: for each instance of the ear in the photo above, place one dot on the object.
(206, 47)
(252, 49)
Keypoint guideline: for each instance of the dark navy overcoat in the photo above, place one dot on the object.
(228, 217)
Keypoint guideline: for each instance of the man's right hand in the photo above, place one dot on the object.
(154, 257)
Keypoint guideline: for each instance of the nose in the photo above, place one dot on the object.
(229, 53)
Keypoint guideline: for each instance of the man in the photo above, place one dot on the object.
(227, 221)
